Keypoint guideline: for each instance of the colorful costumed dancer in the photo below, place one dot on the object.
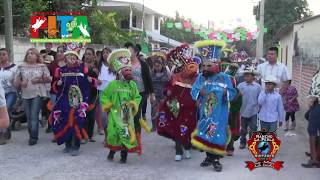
(213, 90)
(69, 113)
(121, 99)
(177, 114)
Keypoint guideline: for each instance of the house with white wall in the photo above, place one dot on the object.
(300, 51)
(137, 18)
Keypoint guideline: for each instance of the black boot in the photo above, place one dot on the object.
(217, 165)
(111, 155)
(124, 154)
(207, 162)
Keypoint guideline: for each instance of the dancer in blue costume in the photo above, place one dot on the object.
(213, 90)
(69, 113)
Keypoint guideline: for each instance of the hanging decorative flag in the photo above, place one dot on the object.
(178, 25)
(144, 43)
(169, 25)
(186, 25)
(265, 30)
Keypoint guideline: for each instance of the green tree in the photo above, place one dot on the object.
(106, 30)
(280, 13)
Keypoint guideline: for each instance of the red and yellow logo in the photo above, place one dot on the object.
(264, 147)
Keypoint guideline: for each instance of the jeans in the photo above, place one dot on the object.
(11, 98)
(246, 123)
(53, 98)
(144, 98)
(32, 108)
(269, 126)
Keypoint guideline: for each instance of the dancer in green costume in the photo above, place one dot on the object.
(121, 98)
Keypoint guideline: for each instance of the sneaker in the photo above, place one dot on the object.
(242, 146)
(311, 164)
(32, 142)
(92, 140)
(286, 126)
(178, 158)
(217, 165)
(75, 152)
(101, 132)
(53, 140)
(207, 162)
(293, 125)
(188, 154)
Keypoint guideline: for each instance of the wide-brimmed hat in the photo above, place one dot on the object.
(119, 59)
(270, 79)
(210, 50)
(250, 70)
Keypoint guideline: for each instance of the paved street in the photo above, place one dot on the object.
(46, 161)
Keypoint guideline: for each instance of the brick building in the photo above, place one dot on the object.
(300, 51)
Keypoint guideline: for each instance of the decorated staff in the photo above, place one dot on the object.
(121, 99)
(69, 113)
(177, 114)
(213, 90)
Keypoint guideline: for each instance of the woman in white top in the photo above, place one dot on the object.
(32, 77)
(104, 78)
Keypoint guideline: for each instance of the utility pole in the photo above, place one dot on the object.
(259, 46)
(8, 27)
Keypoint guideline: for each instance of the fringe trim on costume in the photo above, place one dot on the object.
(106, 107)
(68, 125)
(218, 150)
(145, 125)
(50, 105)
(132, 135)
(119, 148)
(135, 107)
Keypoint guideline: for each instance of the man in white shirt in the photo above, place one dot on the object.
(271, 67)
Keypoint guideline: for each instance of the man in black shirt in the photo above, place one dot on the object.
(47, 50)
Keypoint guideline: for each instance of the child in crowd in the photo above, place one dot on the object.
(160, 77)
(271, 106)
(250, 91)
(121, 99)
(291, 105)
(69, 113)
